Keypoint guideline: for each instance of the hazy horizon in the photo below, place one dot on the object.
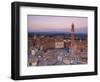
(58, 24)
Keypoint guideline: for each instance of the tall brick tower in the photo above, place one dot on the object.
(73, 43)
(73, 54)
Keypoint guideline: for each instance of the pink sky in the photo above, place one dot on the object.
(39, 23)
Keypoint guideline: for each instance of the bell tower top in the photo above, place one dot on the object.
(72, 27)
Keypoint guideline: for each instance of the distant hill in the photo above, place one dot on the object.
(78, 35)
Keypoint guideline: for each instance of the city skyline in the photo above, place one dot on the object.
(39, 23)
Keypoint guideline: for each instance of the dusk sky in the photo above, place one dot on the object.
(39, 23)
